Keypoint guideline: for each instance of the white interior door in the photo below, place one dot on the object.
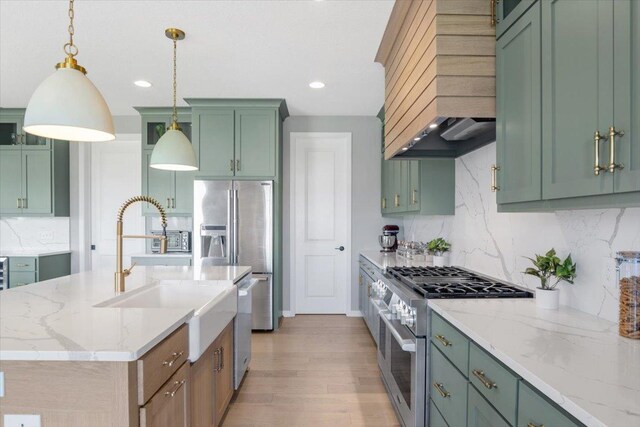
(321, 219)
(115, 177)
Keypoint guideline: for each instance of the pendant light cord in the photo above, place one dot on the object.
(175, 108)
(70, 48)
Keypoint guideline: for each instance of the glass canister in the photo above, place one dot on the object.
(628, 266)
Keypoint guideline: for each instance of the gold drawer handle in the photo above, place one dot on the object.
(174, 359)
(414, 197)
(22, 265)
(494, 178)
(612, 150)
(443, 340)
(444, 393)
(597, 168)
(173, 392)
(534, 425)
(484, 380)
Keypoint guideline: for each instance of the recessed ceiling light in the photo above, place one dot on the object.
(433, 125)
(417, 138)
(405, 148)
(316, 85)
(142, 83)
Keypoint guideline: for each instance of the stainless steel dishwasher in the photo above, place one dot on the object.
(242, 326)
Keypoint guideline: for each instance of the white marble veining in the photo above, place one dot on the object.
(578, 360)
(496, 243)
(383, 260)
(34, 234)
(57, 319)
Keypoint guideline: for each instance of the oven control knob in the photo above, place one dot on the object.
(409, 320)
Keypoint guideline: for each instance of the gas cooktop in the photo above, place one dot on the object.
(454, 282)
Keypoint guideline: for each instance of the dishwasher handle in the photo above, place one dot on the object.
(244, 291)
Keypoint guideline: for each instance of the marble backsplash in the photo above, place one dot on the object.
(496, 243)
(51, 234)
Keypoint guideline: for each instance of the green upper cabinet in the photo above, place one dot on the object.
(577, 89)
(156, 121)
(36, 182)
(12, 135)
(387, 186)
(507, 13)
(518, 103)
(174, 190)
(626, 35)
(238, 137)
(255, 142)
(413, 204)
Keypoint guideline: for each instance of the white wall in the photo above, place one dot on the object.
(495, 243)
(366, 221)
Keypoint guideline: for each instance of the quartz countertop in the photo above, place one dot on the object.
(383, 260)
(57, 319)
(578, 360)
(36, 252)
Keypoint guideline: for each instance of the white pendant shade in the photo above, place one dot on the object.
(67, 106)
(173, 152)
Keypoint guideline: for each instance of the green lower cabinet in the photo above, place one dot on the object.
(480, 413)
(435, 417)
(26, 270)
(448, 389)
(535, 410)
(21, 278)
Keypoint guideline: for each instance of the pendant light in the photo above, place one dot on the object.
(173, 151)
(67, 105)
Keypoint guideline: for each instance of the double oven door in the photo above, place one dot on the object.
(402, 357)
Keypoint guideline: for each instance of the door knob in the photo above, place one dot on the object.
(340, 248)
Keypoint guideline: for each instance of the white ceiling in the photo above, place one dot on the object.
(233, 49)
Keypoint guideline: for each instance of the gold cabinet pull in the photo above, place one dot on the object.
(535, 425)
(597, 137)
(231, 165)
(414, 197)
(25, 203)
(177, 385)
(173, 203)
(494, 178)
(440, 388)
(237, 165)
(174, 358)
(612, 150)
(168, 202)
(22, 265)
(493, 5)
(484, 380)
(445, 342)
(18, 203)
(384, 203)
(397, 200)
(217, 367)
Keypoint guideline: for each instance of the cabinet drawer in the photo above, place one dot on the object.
(451, 342)
(480, 413)
(169, 407)
(21, 278)
(494, 381)
(448, 389)
(435, 417)
(159, 363)
(23, 264)
(535, 410)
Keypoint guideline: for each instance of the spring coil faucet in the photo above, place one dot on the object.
(121, 273)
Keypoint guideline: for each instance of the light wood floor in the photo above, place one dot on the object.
(315, 371)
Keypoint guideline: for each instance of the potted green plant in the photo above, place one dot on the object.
(551, 270)
(438, 248)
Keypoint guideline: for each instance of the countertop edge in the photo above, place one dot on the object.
(554, 395)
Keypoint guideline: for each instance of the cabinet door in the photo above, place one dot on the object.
(202, 395)
(169, 407)
(36, 187)
(507, 13)
(223, 376)
(183, 193)
(387, 186)
(519, 115)
(414, 186)
(480, 413)
(160, 185)
(577, 83)
(534, 410)
(10, 181)
(255, 148)
(10, 131)
(214, 132)
(627, 93)
(400, 185)
(154, 127)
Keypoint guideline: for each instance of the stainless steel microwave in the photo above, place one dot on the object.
(177, 241)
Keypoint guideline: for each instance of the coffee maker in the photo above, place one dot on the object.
(389, 238)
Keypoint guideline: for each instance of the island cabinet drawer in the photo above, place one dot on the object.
(435, 417)
(21, 278)
(169, 407)
(450, 341)
(162, 361)
(481, 414)
(22, 264)
(535, 411)
(494, 381)
(448, 389)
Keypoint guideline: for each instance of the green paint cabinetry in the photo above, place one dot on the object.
(255, 142)
(480, 413)
(214, 131)
(536, 410)
(26, 270)
(425, 187)
(508, 12)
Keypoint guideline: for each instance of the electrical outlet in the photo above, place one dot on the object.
(19, 420)
(46, 236)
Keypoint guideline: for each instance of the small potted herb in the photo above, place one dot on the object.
(439, 248)
(551, 270)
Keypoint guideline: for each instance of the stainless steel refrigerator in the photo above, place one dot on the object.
(233, 225)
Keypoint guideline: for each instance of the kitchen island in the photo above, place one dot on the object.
(71, 356)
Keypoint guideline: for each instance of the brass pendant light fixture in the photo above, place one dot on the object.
(67, 105)
(173, 151)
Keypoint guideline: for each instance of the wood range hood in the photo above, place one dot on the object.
(440, 87)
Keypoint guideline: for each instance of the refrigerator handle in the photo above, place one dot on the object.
(236, 249)
(230, 230)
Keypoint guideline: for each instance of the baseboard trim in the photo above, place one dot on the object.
(354, 313)
(288, 314)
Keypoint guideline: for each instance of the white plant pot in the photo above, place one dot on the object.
(441, 260)
(548, 299)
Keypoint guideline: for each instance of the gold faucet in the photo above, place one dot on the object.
(120, 273)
